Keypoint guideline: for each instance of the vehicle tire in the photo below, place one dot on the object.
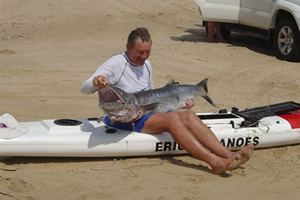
(225, 32)
(287, 40)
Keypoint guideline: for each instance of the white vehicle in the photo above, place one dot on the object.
(278, 21)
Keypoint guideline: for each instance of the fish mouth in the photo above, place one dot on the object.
(109, 95)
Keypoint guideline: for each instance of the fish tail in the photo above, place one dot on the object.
(203, 86)
(209, 100)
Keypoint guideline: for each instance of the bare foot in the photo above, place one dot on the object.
(246, 153)
(224, 164)
(211, 40)
(227, 166)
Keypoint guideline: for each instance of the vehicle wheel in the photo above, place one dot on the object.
(287, 41)
(225, 32)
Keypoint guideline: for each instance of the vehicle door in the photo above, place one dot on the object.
(256, 13)
(219, 10)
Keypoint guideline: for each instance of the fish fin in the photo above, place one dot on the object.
(203, 85)
(172, 81)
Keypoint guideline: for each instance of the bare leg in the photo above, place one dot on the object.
(208, 139)
(210, 26)
(204, 134)
(172, 123)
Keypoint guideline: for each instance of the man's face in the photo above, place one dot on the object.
(139, 52)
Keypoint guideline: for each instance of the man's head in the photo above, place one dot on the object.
(139, 46)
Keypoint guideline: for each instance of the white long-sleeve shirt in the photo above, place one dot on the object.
(123, 74)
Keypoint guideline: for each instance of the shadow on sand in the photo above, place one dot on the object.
(254, 44)
(173, 159)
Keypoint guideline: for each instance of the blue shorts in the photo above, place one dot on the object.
(137, 125)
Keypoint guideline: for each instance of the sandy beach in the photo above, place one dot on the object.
(48, 48)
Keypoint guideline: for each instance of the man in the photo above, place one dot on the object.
(132, 72)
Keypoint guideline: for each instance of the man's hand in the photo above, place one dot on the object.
(189, 104)
(100, 81)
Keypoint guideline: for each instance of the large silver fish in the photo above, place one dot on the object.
(127, 107)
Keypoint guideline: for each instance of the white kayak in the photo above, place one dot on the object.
(267, 126)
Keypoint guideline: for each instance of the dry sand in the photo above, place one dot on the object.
(48, 48)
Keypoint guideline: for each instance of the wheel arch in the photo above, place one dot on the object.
(283, 14)
(277, 17)
(282, 8)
